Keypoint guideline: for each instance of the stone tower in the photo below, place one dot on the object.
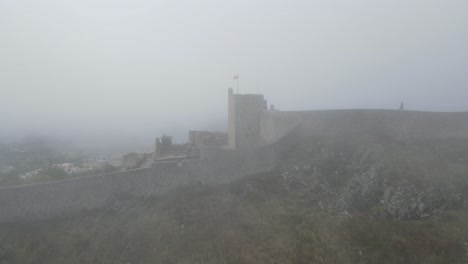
(157, 148)
(244, 119)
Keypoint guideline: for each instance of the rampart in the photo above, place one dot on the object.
(221, 165)
(251, 124)
(67, 197)
(53, 199)
(397, 124)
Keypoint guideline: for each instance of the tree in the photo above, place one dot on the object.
(52, 173)
(166, 141)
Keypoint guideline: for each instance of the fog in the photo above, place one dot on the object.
(127, 71)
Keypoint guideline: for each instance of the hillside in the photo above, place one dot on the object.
(358, 199)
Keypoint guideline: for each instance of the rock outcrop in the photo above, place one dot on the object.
(390, 179)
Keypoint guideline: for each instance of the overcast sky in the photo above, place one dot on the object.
(133, 69)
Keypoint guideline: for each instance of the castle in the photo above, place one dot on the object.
(252, 124)
(245, 115)
(249, 126)
(250, 146)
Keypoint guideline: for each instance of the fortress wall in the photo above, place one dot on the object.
(67, 197)
(220, 165)
(397, 124)
(52, 199)
(199, 138)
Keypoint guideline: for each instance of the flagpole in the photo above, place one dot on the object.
(236, 77)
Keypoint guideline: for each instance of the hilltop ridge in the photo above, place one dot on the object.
(363, 198)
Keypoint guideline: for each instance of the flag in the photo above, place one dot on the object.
(236, 77)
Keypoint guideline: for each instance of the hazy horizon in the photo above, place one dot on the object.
(123, 72)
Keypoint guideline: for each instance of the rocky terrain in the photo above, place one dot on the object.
(397, 180)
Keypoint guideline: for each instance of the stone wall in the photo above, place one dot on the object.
(396, 124)
(200, 138)
(60, 198)
(67, 197)
(250, 124)
(221, 165)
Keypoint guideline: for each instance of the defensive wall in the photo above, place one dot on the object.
(207, 138)
(234, 164)
(401, 125)
(251, 124)
(67, 197)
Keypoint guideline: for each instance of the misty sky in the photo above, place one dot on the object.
(133, 69)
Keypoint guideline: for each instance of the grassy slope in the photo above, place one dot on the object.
(256, 220)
